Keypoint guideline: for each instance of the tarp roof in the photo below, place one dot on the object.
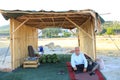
(42, 19)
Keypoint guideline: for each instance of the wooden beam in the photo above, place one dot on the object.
(44, 17)
(78, 27)
(38, 17)
(42, 21)
(85, 21)
(53, 21)
(20, 25)
(37, 25)
(62, 23)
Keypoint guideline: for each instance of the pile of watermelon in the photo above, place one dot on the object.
(49, 58)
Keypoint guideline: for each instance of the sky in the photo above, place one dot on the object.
(108, 9)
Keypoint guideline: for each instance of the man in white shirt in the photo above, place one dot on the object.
(78, 61)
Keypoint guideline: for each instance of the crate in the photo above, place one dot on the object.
(30, 64)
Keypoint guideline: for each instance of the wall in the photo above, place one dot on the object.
(20, 39)
(88, 44)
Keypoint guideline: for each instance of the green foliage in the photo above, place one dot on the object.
(110, 31)
(110, 28)
(51, 32)
(67, 34)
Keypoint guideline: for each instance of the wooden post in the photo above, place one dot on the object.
(78, 37)
(11, 43)
(94, 39)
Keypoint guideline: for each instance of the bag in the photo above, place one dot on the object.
(101, 63)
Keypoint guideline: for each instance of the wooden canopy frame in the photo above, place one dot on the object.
(24, 25)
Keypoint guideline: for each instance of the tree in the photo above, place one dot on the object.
(110, 31)
(67, 34)
(111, 27)
(51, 32)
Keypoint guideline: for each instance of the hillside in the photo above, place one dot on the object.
(114, 25)
(4, 29)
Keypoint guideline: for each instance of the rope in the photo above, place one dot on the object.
(114, 43)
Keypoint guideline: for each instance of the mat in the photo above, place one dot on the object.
(84, 76)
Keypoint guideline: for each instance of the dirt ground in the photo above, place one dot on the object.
(104, 44)
(107, 49)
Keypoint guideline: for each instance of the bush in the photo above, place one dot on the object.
(110, 31)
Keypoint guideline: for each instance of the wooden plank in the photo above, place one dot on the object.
(53, 21)
(30, 66)
(11, 43)
(94, 41)
(20, 41)
(78, 27)
(30, 62)
(44, 17)
(47, 22)
(20, 25)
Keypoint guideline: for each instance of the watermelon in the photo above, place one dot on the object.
(49, 60)
(54, 60)
(44, 61)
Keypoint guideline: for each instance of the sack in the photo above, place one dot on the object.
(101, 63)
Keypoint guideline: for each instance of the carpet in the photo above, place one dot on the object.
(84, 76)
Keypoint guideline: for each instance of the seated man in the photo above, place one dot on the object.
(79, 62)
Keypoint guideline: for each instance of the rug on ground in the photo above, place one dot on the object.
(84, 76)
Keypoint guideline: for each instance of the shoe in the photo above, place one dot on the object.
(92, 73)
(77, 72)
(61, 72)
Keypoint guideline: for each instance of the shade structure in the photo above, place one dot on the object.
(24, 26)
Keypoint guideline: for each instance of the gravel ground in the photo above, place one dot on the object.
(5, 59)
(112, 67)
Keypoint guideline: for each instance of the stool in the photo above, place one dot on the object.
(30, 63)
